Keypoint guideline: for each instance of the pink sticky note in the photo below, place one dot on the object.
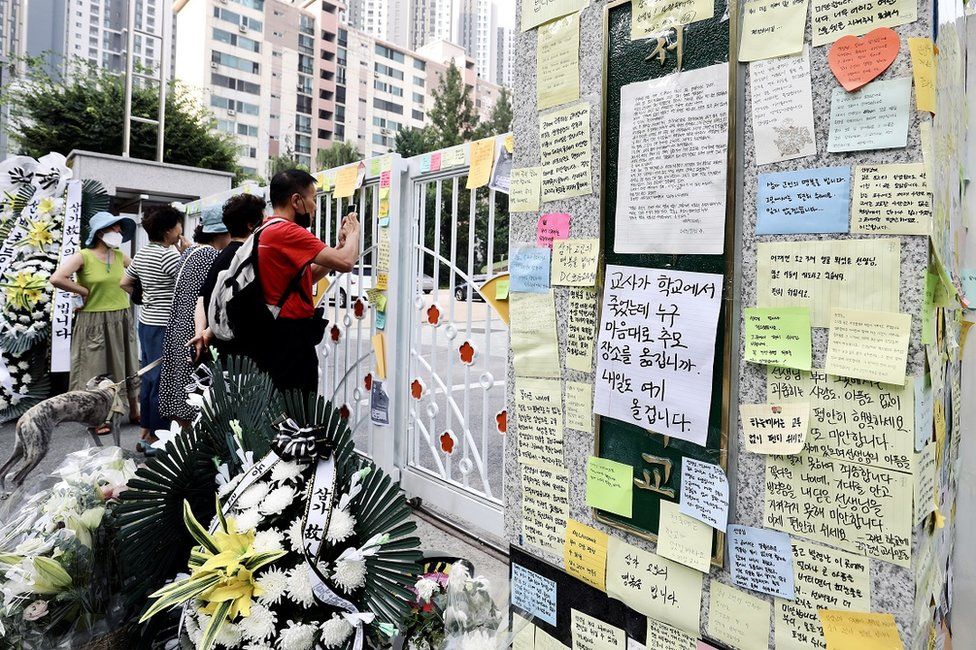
(435, 161)
(704, 646)
(385, 178)
(554, 225)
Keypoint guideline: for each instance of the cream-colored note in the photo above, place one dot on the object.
(524, 633)
(536, 12)
(823, 577)
(585, 554)
(870, 345)
(524, 191)
(482, 161)
(772, 28)
(453, 157)
(581, 329)
(654, 17)
(538, 410)
(924, 470)
(579, 406)
(925, 135)
(779, 429)
(851, 419)
(564, 143)
(545, 641)
(593, 634)
(574, 262)
(532, 325)
(545, 505)
(557, 62)
(782, 107)
(832, 19)
(683, 539)
(828, 274)
(891, 200)
(661, 636)
(738, 618)
(858, 508)
(654, 586)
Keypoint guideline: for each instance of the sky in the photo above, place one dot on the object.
(506, 13)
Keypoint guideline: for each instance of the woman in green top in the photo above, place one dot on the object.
(103, 341)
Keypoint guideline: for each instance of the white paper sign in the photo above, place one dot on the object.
(656, 349)
(62, 314)
(673, 143)
(782, 108)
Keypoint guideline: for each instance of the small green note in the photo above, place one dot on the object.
(501, 289)
(610, 486)
(778, 336)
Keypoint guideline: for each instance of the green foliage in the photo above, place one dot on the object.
(86, 111)
(339, 154)
(453, 118)
(413, 141)
(284, 161)
(500, 120)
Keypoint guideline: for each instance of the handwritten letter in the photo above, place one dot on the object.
(778, 336)
(705, 492)
(534, 594)
(775, 428)
(593, 634)
(833, 19)
(891, 200)
(585, 554)
(653, 17)
(772, 28)
(683, 539)
(533, 334)
(782, 107)
(581, 331)
(574, 262)
(579, 406)
(564, 142)
(761, 560)
(524, 191)
(538, 410)
(530, 269)
(808, 200)
(739, 619)
(875, 117)
(557, 61)
(870, 345)
(610, 486)
(545, 505)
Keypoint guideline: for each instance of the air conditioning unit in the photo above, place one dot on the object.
(242, 27)
(213, 65)
(231, 112)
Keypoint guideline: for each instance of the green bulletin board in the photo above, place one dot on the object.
(705, 43)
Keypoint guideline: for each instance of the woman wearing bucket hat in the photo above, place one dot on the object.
(103, 341)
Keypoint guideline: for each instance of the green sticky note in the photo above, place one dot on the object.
(778, 336)
(501, 289)
(375, 166)
(381, 302)
(928, 308)
(610, 486)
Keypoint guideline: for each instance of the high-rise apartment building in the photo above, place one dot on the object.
(389, 20)
(477, 34)
(12, 46)
(503, 57)
(432, 20)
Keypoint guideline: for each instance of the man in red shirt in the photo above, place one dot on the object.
(291, 259)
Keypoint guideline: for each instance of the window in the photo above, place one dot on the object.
(388, 71)
(341, 56)
(237, 19)
(340, 113)
(419, 64)
(304, 84)
(306, 44)
(418, 81)
(235, 84)
(234, 39)
(303, 144)
(343, 37)
(387, 88)
(303, 123)
(305, 64)
(248, 130)
(306, 24)
(232, 104)
(303, 104)
(384, 123)
(387, 106)
(417, 115)
(248, 151)
(381, 140)
(417, 97)
(340, 132)
(234, 62)
(253, 4)
(389, 53)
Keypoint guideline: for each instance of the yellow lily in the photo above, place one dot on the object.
(49, 577)
(46, 205)
(39, 234)
(26, 289)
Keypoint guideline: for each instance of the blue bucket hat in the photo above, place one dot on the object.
(213, 220)
(102, 220)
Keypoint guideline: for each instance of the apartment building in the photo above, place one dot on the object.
(12, 46)
(388, 20)
(503, 57)
(432, 20)
(478, 34)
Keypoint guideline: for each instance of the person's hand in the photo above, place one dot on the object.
(183, 243)
(200, 343)
(350, 226)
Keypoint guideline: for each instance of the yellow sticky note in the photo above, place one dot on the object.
(523, 191)
(610, 486)
(452, 156)
(593, 634)
(832, 19)
(654, 17)
(579, 406)
(923, 70)
(860, 631)
(539, 413)
(574, 262)
(661, 636)
(891, 200)
(778, 336)
(347, 181)
(535, 13)
(482, 160)
(382, 281)
(509, 143)
(585, 554)
(379, 352)
(683, 539)
(870, 345)
(535, 350)
(564, 143)
(581, 332)
(737, 618)
(324, 180)
(557, 62)
(775, 428)
(772, 28)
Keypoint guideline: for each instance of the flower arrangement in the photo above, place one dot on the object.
(453, 611)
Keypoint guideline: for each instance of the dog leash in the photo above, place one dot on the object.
(140, 373)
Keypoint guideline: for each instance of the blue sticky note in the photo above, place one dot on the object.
(381, 320)
(534, 594)
(968, 279)
(529, 268)
(874, 117)
(761, 560)
(425, 163)
(804, 201)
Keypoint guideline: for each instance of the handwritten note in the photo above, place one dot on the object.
(923, 71)
(705, 492)
(348, 178)
(564, 143)
(673, 139)
(857, 61)
(772, 28)
(452, 157)
(827, 274)
(529, 269)
(534, 594)
(593, 634)
(683, 539)
(870, 345)
(875, 117)
(533, 334)
(823, 577)
(482, 160)
(832, 19)
(924, 412)
(545, 641)
(579, 406)
(854, 507)
(654, 17)
(807, 200)
(654, 586)
(656, 349)
(524, 633)
(891, 200)
(736, 618)
(557, 62)
(551, 227)
(581, 329)
(545, 505)
(850, 419)
(574, 262)
(779, 429)
(524, 191)
(538, 411)
(610, 486)
(535, 12)
(860, 631)
(924, 469)
(778, 336)
(585, 554)
(782, 103)
(661, 636)
(761, 560)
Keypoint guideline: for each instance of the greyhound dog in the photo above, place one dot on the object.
(94, 406)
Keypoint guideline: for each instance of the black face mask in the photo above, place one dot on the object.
(303, 219)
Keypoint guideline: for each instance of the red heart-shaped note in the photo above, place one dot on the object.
(856, 61)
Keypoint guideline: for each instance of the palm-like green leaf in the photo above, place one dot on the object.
(94, 199)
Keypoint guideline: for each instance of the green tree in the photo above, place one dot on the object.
(453, 119)
(413, 141)
(339, 154)
(284, 160)
(85, 111)
(500, 120)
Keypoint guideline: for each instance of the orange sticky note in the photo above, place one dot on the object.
(859, 631)
(347, 180)
(585, 554)
(856, 61)
(482, 160)
(379, 351)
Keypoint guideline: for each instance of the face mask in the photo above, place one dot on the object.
(112, 239)
(303, 219)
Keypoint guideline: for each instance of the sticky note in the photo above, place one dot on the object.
(452, 157)
(705, 492)
(870, 345)
(593, 634)
(857, 61)
(524, 189)
(579, 406)
(482, 160)
(574, 262)
(499, 285)
(737, 618)
(683, 539)
(581, 329)
(379, 354)
(661, 636)
(875, 117)
(924, 412)
(545, 505)
(779, 429)
(550, 227)
(832, 19)
(564, 149)
(557, 62)
(529, 269)
(860, 630)
(761, 560)
(782, 106)
(610, 486)
(539, 413)
(534, 594)
(924, 470)
(653, 17)
(891, 200)
(772, 28)
(532, 334)
(778, 336)
(923, 71)
(585, 554)
(435, 161)
(347, 180)
(804, 201)
(533, 14)
(501, 289)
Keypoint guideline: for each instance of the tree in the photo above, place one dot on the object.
(453, 119)
(86, 110)
(413, 141)
(500, 120)
(284, 160)
(339, 154)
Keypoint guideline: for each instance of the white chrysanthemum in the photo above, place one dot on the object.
(425, 589)
(260, 624)
(226, 488)
(248, 520)
(274, 582)
(285, 471)
(300, 586)
(478, 640)
(335, 631)
(269, 541)
(229, 635)
(341, 526)
(455, 617)
(297, 636)
(190, 623)
(253, 496)
(458, 577)
(295, 535)
(350, 574)
(277, 500)
(203, 620)
(258, 646)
